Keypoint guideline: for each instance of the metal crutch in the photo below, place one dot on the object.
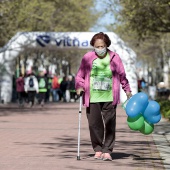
(80, 111)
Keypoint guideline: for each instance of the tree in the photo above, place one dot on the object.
(44, 15)
(145, 17)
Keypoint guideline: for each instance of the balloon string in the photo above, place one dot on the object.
(124, 104)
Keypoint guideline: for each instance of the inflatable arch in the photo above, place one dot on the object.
(61, 40)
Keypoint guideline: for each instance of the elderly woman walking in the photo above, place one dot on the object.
(99, 76)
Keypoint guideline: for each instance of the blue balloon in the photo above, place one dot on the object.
(153, 119)
(137, 104)
(152, 112)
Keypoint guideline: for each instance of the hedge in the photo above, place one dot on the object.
(164, 107)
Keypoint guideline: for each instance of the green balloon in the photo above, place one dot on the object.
(135, 123)
(147, 128)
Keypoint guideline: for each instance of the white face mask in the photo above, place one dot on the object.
(100, 52)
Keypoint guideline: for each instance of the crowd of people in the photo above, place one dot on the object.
(43, 88)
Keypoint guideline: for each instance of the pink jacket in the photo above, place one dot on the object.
(118, 76)
(20, 84)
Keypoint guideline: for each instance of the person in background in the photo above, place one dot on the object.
(49, 87)
(60, 79)
(55, 88)
(143, 84)
(99, 76)
(25, 94)
(43, 85)
(63, 88)
(31, 87)
(20, 90)
(71, 88)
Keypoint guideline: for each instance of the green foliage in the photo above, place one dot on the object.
(165, 107)
(146, 17)
(44, 15)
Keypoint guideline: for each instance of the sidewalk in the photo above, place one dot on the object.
(46, 139)
(161, 137)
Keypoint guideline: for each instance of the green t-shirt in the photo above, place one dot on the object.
(101, 81)
(42, 85)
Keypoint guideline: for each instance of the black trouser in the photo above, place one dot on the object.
(102, 125)
(63, 92)
(47, 96)
(21, 96)
(41, 97)
(31, 96)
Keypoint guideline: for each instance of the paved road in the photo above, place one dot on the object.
(46, 139)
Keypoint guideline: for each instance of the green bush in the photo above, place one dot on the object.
(164, 107)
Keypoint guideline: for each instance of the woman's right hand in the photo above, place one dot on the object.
(78, 91)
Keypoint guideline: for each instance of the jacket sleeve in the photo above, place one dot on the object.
(80, 76)
(122, 75)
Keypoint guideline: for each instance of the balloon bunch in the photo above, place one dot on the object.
(142, 113)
